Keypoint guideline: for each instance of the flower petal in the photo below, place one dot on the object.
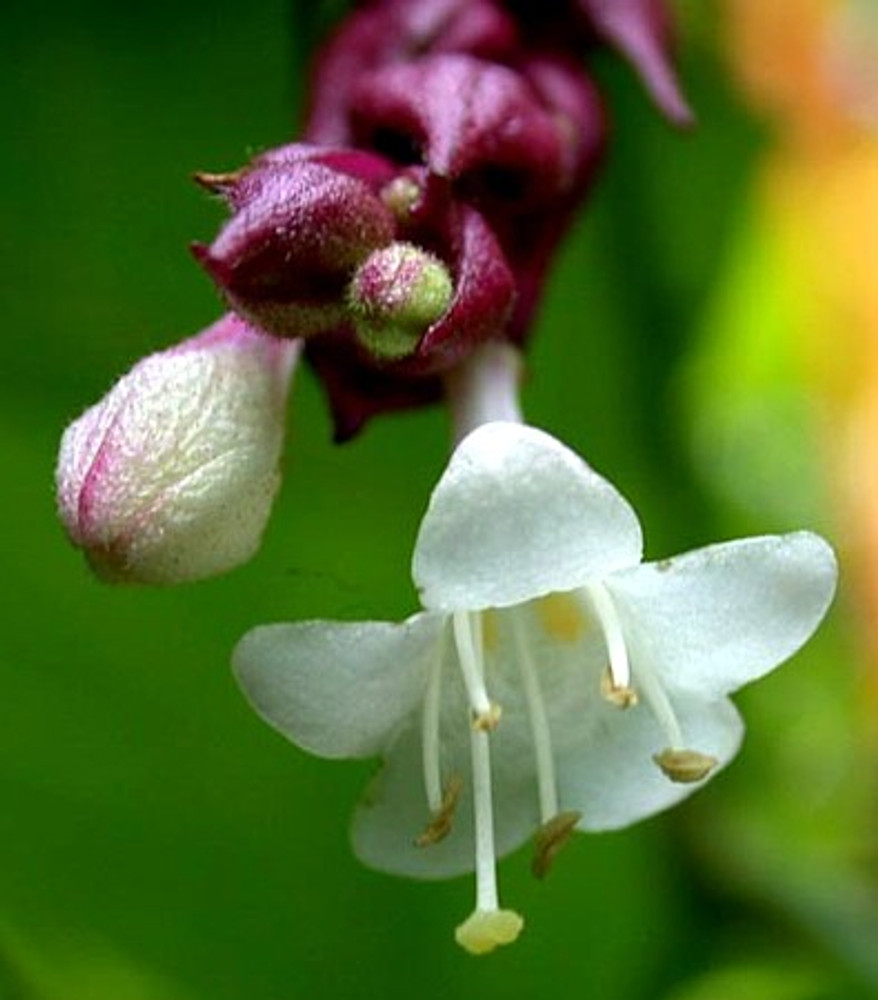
(393, 810)
(338, 689)
(612, 779)
(517, 515)
(716, 618)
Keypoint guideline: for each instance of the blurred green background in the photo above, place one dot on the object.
(158, 842)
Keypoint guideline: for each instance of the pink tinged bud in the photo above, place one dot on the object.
(299, 231)
(171, 477)
(640, 31)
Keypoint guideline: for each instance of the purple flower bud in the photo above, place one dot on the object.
(301, 226)
(171, 477)
(640, 31)
(398, 31)
(469, 121)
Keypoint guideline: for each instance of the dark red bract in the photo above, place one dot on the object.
(467, 128)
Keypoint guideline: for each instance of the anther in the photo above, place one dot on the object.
(550, 838)
(217, 183)
(685, 766)
(488, 720)
(443, 819)
(619, 696)
(400, 196)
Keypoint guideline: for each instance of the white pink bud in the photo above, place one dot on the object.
(171, 477)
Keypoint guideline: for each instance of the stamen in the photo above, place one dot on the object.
(680, 764)
(621, 697)
(430, 730)
(443, 818)
(469, 653)
(661, 706)
(488, 926)
(539, 724)
(602, 605)
(685, 766)
(550, 838)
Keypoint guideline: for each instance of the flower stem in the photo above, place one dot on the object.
(484, 388)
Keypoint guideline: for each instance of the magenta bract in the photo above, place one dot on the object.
(299, 229)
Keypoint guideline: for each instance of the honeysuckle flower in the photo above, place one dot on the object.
(171, 477)
(553, 681)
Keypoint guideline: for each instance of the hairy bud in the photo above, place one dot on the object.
(396, 294)
(171, 477)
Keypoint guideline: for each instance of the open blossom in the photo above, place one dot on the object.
(553, 683)
(171, 477)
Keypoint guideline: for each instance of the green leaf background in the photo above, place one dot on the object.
(157, 842)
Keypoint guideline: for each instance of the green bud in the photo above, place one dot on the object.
(397, 293)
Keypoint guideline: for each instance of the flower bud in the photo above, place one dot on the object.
(396, 294)
(299, 230)
(171, 477)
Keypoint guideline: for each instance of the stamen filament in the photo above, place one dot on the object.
(547, 785)
(430, 730)
(661, 707)
(471, 661)
(617, 651)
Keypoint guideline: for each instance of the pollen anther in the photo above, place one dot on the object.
(443, 819)
(685, 766)
(620, 697)
(487, 721)
(550, 838)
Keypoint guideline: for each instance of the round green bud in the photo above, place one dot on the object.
(397, 293)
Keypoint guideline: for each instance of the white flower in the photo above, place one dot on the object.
(554, 681)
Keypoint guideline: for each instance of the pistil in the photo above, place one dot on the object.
(488, 926)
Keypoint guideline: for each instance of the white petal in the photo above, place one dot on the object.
(337, 689)
(393, 812)
(516, 515)
(612, 779)
(719, 617)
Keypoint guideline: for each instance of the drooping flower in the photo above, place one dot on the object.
(553, 683)
(171, 477)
